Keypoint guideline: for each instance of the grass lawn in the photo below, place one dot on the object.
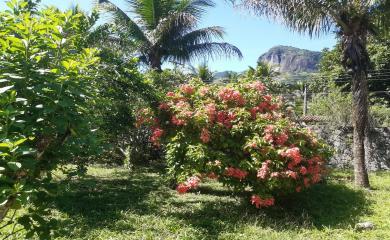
(116, 204)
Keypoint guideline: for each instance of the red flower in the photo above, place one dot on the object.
(303, 170)
(253, 112)
(258, 202)
(281, 139)
(269, 129)
(236, 173)
(187, 89)
(182, 188)
(294, 154)
(267, 98)
(259, 86)
(177, 122)
(268, 138)
(170, 94)
(156, 135)
(263, 172)
(192, 182)
(230, 95)
(163, 106)
(292, 174)
(226, 118)
(205, 135)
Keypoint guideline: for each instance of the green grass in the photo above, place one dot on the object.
(115, 204)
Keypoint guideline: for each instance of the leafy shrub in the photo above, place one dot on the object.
(236, 134)
(45, 118)
(336, 107)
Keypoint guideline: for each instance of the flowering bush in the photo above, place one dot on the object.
(238, 135)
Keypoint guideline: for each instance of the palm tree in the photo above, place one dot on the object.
(262, 70)
(354, 21)
(167, 30)
(203, 72)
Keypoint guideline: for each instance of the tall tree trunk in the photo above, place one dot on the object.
(155, 62)
(360, 125)
(356, 60)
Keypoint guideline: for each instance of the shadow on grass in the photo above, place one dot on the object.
(94, 203)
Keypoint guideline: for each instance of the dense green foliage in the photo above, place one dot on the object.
(44, 112)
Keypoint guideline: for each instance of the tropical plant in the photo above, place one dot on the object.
(45, 118)
(163, 31)
(354, 21)
(203, 72)
(237, 134)
(267, 73)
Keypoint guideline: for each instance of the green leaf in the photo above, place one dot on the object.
(14, 165)
(4, 89)
(6, 145)
(20, 141)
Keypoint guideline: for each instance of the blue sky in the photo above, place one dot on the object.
(251, 34)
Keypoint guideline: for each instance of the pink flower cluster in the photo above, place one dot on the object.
(271, 137)
(259, 202)
(236, 173)
(191, 183)
(264, 106)
(187, 89)
(231, 95)
(178, 122)
(156, 136)
(211, 112)
(263, 172)
(259, 86)
(294, 154)
(225, 118)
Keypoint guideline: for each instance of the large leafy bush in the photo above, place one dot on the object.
(46, 88)
(237, 134)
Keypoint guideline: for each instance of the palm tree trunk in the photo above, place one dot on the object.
(360, 125)
(356, 60)
(155, 63)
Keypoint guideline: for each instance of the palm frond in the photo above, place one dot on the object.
(199, 36)
(182, 19)
(310, 16)
(150, 12)
(125, 23)
(202, 51)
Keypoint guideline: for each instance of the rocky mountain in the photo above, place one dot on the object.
(292, 60)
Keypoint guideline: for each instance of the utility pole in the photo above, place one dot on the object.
(305, 100)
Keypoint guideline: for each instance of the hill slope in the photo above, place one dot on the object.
(292, 60)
